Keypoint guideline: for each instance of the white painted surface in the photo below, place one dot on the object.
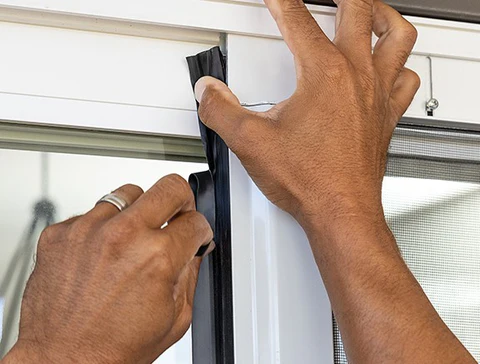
(436, 37)
(260, 69)
(281, 310)
(103, 80)
(93, 114)
(90, 66)
(220, 16)
(457, 87)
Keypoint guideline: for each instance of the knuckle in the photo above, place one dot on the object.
(48, 236)
(156, 263)
(337, 69)
(163, 263)
(417, 81)
(198, 221)
(208, 106)
(178, 181)
(187, 317)
(414, 77)
(408, 33)
(80, 227)
(179, 187)
(199, 224)
(133, 188)
(401, 58)
(119, 231)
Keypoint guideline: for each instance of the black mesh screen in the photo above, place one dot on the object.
(432, 204)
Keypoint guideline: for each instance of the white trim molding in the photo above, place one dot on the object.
(250, 17)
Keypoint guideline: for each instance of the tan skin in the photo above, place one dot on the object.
(120, 288)
(112, 287)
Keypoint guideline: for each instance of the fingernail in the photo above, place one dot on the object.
(210, 249)
(200, 89)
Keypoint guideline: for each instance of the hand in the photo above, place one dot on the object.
(321, 154)
(112, 287)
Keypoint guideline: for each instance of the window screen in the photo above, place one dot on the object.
(431, 196)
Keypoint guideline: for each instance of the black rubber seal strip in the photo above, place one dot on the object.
(212, 328)
(204, 191)
(458, 10)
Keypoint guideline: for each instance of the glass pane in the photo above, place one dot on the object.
(71, 184)
(432, 204)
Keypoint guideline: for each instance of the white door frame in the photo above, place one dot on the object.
(260, 245)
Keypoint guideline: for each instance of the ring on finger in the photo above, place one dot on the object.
(114, 200)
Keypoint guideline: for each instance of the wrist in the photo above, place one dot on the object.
(335, 217)
(351, 235)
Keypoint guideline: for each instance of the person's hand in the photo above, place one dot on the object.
(321, 154)
(111, 287)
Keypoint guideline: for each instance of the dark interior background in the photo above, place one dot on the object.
(460, 10)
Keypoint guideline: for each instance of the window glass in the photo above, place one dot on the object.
(63, 185)
(431, 197)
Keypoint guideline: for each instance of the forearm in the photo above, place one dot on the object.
(383, 314)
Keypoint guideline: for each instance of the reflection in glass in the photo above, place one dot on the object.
(46, 188)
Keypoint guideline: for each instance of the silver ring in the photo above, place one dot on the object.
(115, 200)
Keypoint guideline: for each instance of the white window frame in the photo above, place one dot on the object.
(258, 329)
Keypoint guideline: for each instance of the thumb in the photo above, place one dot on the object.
(220, 109)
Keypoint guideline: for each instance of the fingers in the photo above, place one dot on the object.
(192, 279)
(183, 295)
(168, 197)
(104, 211)
(354, 29)
(187, 233)
(397, 38)
(403, 93)
(299, 29)
(221, 111)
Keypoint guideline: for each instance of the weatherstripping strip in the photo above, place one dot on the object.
(213, 308)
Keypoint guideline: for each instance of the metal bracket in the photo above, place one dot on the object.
(432, 104)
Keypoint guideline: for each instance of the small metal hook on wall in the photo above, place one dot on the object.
(432, 104)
